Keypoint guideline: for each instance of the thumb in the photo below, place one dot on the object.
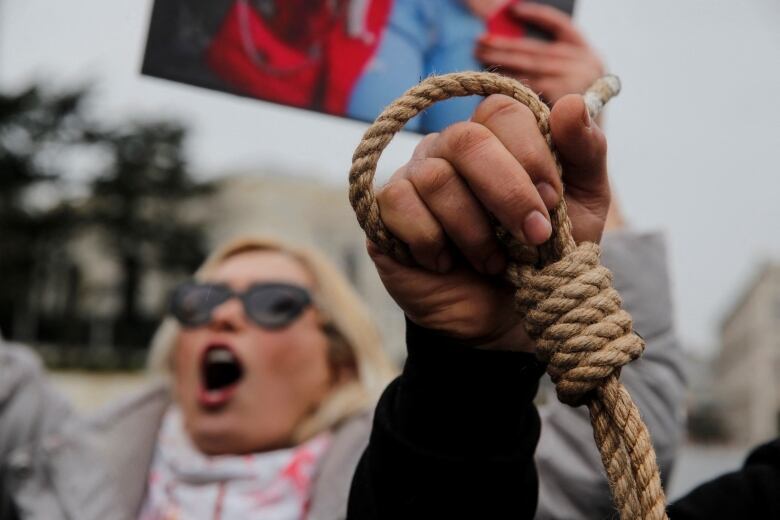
(582, 149)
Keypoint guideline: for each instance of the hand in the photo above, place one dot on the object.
(440, 203)
(484, 8)
(566, 65)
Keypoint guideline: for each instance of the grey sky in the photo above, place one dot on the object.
(694, 138)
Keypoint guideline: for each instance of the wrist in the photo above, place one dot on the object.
(516, 339)
(512, 338)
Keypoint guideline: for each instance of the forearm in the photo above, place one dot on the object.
(454, 435)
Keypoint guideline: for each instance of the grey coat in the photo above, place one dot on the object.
(56, 465)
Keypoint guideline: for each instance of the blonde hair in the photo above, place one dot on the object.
(346, 315)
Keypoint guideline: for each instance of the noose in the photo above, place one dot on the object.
(570, 308)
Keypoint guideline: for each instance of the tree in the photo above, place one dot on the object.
(33, 126)
(136, 203)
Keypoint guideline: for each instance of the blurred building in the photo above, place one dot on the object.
(705, 421)
(748, 369)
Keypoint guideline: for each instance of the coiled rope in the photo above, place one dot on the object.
(570, 308)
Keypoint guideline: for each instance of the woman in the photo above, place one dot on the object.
(270, 367)
(271, 351)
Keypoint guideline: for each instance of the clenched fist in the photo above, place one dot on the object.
(441, 201)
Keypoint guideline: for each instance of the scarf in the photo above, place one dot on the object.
(186, 484)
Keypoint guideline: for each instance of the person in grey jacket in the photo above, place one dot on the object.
(54, 464)
(268, 367)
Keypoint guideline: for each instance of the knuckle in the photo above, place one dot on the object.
(398, 203)
(467, 137)
(476, 243)
(424, 236)
(538, 162)
(394, 195)
(425, 144)
(516, 200)
(501, 106)
(430, 176)
(425, 240)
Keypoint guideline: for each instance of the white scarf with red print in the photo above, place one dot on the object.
(185, 484)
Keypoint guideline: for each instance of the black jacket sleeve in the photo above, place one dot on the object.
(751, 492)
(453, 436)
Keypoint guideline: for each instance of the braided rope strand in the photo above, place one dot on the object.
(615, 461)
(570, 308)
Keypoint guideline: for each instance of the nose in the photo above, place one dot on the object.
(228, 316)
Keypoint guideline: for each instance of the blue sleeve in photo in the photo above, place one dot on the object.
(423, 37)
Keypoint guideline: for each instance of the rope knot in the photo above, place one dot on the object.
(575, 316)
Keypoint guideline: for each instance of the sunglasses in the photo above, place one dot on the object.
(270, 305)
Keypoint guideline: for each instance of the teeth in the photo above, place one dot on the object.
(220, 356)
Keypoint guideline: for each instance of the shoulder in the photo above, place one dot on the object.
(152, 398)
(126, 430)
(334, 476)
(18, 365)
(126, 434)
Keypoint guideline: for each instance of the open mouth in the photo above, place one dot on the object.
(221, 370)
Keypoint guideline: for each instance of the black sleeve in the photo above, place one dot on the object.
(453, 436)
(751, 492)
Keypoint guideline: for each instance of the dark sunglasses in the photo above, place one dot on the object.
(270, 305)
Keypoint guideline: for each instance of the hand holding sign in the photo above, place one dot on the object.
(565, 65)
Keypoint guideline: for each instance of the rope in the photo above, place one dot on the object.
(571, 309)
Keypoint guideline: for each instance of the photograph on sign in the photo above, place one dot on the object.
(346, 58)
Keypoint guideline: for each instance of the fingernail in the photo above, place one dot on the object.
(586, 117)
(496, 263)
(444, 262)
(536, 228)
(548, 194)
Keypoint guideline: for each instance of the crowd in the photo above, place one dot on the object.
(272, 397)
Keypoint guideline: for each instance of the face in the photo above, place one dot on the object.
(243, 388)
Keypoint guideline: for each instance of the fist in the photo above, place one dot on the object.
(441, 204)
